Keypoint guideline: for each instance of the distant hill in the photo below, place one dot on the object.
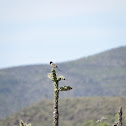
(102, 74)
(72, 111)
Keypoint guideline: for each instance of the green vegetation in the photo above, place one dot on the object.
(73, 112)
(103, 74)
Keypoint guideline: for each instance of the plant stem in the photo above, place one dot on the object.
(56, 80)
(55, 112)
(120, 116)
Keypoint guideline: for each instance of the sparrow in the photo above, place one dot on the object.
(53, 65)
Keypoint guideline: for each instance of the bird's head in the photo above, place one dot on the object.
(51, 62)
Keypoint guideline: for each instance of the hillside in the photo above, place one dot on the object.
(73, 112)
(98, 75)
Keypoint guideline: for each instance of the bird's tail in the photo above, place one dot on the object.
(58, 69)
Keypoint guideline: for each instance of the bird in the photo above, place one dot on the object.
(54, 65)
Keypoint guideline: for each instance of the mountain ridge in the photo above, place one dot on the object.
(63, 62)
(102, 74)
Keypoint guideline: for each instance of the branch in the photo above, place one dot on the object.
(65, 88)
(60, 78)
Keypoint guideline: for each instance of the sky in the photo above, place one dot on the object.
(37, 31)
